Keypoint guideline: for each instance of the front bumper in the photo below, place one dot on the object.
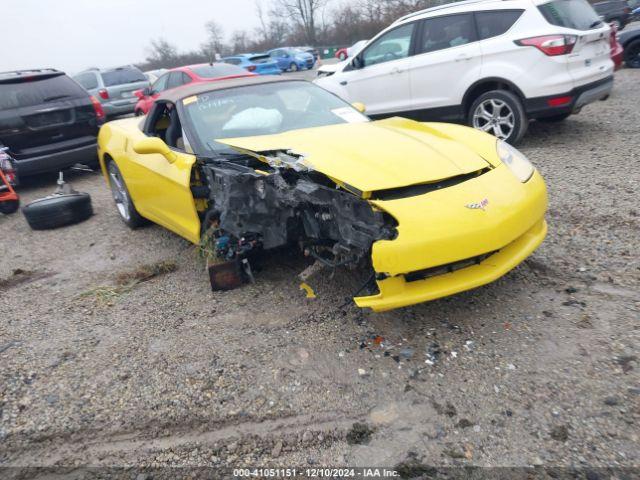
(396, 292)
(445, 231)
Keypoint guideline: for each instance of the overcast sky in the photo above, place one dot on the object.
(75, 34)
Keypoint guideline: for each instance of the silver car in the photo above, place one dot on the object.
(114, 87)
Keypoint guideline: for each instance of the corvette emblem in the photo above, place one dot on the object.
(481, 205)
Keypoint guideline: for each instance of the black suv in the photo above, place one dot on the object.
(614, 11)
(47, 121)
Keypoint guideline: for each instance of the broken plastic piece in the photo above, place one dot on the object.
(308, 290)
(225, 275)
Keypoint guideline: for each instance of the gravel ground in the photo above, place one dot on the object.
(538, 368)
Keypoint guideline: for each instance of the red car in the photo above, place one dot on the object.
(176, 77)
(617, 52)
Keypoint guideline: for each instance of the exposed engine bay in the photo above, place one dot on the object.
(259, 202)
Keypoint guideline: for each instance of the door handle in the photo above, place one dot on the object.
(343, 82)
(395, 70)
(462, 57)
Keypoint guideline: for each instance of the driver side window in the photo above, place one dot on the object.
(393, 45)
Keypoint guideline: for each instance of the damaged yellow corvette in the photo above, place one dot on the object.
(249, 165)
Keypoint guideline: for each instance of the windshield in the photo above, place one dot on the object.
(264, 109)
(121, 76)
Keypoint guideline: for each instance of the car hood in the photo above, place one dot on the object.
(373, 156)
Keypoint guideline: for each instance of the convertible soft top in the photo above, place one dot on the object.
(177, 94)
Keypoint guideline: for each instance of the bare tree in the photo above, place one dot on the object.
(214, 43)
(161, 54)
(304, 13)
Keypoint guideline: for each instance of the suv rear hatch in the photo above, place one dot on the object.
(121, 82)
(590, 59)
(44, 113)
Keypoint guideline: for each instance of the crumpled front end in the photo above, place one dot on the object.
(457, 238)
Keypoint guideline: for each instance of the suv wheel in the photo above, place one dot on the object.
(500, 113)
(632, 54)
(124, 204)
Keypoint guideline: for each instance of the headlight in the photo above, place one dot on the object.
(519, 165)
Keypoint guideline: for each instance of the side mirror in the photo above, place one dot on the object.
(359, 106)
(153, 145)
(357, 62)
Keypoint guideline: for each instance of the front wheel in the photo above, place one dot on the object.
(500, 113)
(293, 67)
(124, 204)
(632, 54)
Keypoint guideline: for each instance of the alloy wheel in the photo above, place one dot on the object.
(119, 191)
(494, 116)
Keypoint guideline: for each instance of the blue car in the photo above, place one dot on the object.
(260, 64)
(291, 59)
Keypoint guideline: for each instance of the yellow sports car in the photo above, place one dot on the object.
(253, 164)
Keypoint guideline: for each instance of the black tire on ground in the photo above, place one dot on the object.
(554, 118)
(122, 198)
(9, 206)
(511, 103)
(632, 54)
(58, 211)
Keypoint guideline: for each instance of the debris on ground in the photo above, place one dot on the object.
(560, 433)
(126, 281)
(359, 434)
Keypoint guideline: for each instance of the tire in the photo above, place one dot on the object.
(554, 118)
(293, 67)
(342, 57)
(121, 197)
(139, 113)
(632, 54)
(9, 206)
(499, 112)
(58, 211)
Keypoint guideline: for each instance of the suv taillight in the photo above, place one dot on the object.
(97, 106)
(6, 165)
(103, 94)
(551, 45)
(251, 68)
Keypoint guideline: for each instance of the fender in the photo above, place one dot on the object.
(467, 98)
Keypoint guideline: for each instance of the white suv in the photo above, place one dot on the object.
(494, 64)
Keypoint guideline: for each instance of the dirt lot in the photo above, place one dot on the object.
(540, 368)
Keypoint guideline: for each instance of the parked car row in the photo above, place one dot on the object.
(276, 61)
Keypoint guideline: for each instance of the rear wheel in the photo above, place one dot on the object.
(124, 204)
(293, 67)
(500, 113)
(632, 54)
(554, 118)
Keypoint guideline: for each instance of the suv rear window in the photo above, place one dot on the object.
(38, 91)
(577, 14)
(494, 23)
(218, 70)
(121, 76)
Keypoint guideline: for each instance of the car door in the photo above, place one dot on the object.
(162, 189)
(447, 61)
(379, 75)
